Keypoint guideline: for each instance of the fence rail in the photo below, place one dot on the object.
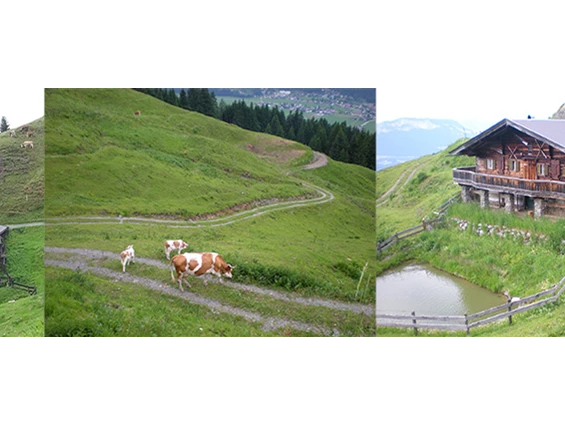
(419, 228)
(467, 322)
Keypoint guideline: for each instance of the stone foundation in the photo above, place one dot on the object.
(483, 197)
(539, 207)
(466, 194)
(508, 202)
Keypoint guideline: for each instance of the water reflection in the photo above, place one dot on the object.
(428, 290)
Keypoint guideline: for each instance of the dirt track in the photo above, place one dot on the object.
(79, 259)
(319, 160)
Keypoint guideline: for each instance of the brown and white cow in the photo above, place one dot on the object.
(171, 245)
(127, 256)
(198, 264)
(26, 144)
(137, 113)
(12, 133)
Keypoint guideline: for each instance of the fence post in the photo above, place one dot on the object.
(414, 322)
(509, 309)
(467, 324)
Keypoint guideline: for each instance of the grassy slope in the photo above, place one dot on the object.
(20, 314)
(102, 159)
(492, 262)
(23, 175)
(327, 245)
(24, 317)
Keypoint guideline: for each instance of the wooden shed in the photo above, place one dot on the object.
(520, 165)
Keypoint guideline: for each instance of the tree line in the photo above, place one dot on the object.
(338, 140)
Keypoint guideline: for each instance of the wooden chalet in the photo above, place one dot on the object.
(520, 165)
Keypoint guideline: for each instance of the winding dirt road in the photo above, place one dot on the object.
(78, 259)
(85, 260)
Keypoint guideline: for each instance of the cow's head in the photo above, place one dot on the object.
(227, 270)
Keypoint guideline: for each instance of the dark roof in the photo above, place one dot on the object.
(551, 132)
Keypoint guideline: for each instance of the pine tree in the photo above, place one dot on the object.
(4, 125)
(183, 99)
(276, 127)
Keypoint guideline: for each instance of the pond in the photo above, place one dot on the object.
(431, 291)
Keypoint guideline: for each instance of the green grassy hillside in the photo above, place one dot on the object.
(22, 201)
(22, 176)
(21, 314)
(168, 161)
(174, 164)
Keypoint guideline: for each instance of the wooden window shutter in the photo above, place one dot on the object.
(555, 169)
(500, 165)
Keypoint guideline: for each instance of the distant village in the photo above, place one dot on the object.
(330, 103)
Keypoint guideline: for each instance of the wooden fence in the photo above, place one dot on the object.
(426, 224)
(9, 280)
(466, 322)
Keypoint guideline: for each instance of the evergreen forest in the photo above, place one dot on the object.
(338, 140)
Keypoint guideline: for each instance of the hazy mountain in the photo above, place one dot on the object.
(408, 138)
(560, 114)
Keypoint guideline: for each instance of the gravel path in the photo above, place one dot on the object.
(393, 187)
(77, 259)
(325, 197)
(319, 160)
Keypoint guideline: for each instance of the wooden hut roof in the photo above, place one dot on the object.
(551, 132)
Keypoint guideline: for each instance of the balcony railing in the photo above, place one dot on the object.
(527, 187)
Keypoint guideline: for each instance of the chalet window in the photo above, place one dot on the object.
(514, 165)
(491, 164)
(542, 169)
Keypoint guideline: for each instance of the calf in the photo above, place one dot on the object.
(171, 245)
(26, 144)
(198, 264)
(127, 256)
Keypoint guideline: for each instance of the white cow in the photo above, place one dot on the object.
(127, 256)
(171, 245)
(26, 144)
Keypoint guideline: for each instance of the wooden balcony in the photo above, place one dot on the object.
(530, 188)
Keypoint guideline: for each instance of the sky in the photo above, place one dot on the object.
(21, 105)
(471, 108)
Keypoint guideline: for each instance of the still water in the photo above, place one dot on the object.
(428, 290)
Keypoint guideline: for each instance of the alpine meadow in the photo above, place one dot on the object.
(21, 205)
(298, 227)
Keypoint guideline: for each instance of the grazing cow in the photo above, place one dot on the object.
(171, 245)
(12, 133)
(198, 264)
(29, 134)
(24, 128)
(26, 144)
(127, 256)
(137, 113)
